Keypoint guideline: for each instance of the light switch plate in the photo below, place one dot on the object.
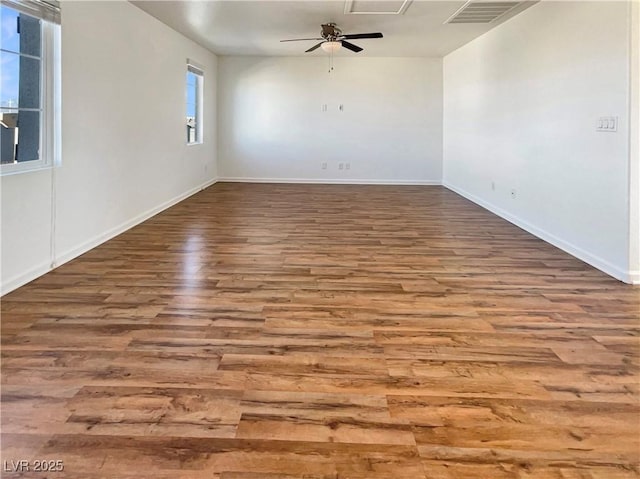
(607, 123)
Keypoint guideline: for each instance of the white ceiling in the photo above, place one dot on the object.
(250, 27)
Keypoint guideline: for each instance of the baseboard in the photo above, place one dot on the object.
(24, 278)
(632, 277)
(326, 181)
(573, 250)
(121, 228)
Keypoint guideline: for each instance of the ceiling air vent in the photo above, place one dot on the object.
(376, 7)
(482, 12)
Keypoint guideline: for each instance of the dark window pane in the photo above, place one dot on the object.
(29, 91)
(10, 79)
(191, 134)
(29, 35)
(9, 29)
(28, 136)
(8, 136)
(191, 129)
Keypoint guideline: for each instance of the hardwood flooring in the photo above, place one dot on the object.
(322, 331)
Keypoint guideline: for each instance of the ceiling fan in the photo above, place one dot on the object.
(333, 39)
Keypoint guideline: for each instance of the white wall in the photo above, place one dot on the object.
(271, 125)
(124, 155)
(520, 110)
(26, 227)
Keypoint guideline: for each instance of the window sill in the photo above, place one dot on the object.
(17, 169)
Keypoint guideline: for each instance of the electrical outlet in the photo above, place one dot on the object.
(324, 107)
(341, 107)
(513, 194)
(324, 165)
(493, 186)
(347, 166)
(341, 166)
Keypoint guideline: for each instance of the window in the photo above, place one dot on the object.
(29, 102)
(195, 80)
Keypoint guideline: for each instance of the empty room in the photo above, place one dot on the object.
(320, 239)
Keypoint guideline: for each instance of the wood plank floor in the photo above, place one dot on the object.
(323, 331)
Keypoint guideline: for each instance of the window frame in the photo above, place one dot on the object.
(198, 71)
(50, 101)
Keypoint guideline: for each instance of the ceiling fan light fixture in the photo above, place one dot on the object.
(331, 47)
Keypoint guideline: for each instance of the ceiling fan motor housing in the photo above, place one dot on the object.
(330, 32)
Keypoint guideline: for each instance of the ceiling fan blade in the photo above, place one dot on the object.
(355, 36)
(301, 39)
(313, 47)
(351, 46)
